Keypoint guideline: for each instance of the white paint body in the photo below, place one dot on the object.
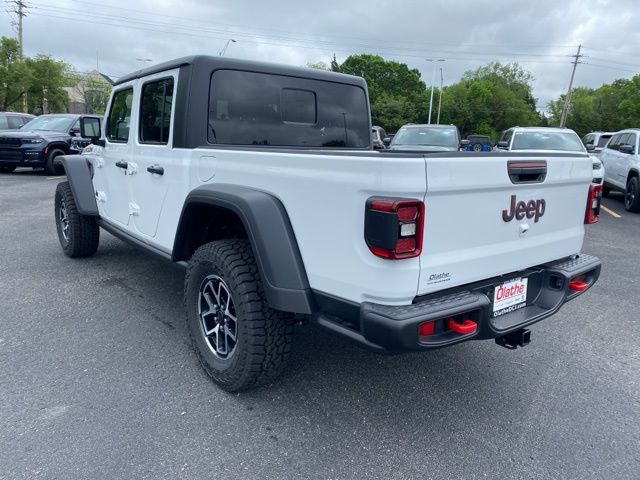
(619, 164)
(325, 195)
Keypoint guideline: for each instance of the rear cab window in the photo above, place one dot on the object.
(249, 108)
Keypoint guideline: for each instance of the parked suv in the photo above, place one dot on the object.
(13, 120)
(595, 141)
(378, 136)
(621, 158)
(39, 142)
(261, 180)
(547, 139)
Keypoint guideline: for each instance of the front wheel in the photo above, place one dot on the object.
(241, 342)
(50, 166)
(79, 234)
(632, 195)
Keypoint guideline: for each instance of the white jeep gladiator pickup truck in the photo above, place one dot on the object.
(261, 179)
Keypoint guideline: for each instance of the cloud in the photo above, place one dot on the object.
(540, 35)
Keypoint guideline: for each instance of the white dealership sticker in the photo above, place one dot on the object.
(510, 296)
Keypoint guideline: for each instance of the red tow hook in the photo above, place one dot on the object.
(577, 285)
(467, 326)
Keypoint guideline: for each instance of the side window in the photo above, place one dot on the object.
(119, 118)
(632, 141)
(4, 122)
(155, 111)
(14, 121)
(588, 139)
(624, 139)
(614, 143)
(75, 129)
(250, 108)
(506, 137)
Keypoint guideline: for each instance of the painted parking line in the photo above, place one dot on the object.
(610, 212)
(56, 178)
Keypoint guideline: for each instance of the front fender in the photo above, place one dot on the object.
(78, 172)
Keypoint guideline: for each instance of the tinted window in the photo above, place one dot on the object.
(247, 108)
(119, 118)
(15, 121)
(155, 111)
(615, 142)
(624, 138)
(4, 123)
(429, 136)
(602, 141)
(543, 140)
(298, 106)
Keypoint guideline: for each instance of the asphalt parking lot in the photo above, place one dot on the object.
(98, 380)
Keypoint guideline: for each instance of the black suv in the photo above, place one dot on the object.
(37, 143)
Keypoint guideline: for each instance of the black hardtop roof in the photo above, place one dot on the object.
(209, 63)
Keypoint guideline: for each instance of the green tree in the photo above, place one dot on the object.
(490, 99)
(15, 76)
(396, 93)
(46, 92)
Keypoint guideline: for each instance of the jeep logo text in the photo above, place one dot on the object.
(531, 209)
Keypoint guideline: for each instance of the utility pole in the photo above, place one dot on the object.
(567, 98)
(440, 100)
(19, 7)
(433, 81)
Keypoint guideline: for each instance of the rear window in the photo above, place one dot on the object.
(429, 136)
(562, 141)
(603, 140)
(247, 108)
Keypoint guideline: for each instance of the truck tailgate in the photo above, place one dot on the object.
(475, 226)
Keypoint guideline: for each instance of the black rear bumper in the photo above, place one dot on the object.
(395, 328)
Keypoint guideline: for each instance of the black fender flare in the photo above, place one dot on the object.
(79, 175)
(271, 236)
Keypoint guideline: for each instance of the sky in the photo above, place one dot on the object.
(542, 35)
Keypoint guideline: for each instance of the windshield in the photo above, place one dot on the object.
(603, 140)
(563, 141)
(441, 137)
(44, 122)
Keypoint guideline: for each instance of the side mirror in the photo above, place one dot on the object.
(590, 147)
(624, 148)
(90, 128)
(386, 141)
(464, 143)
(503, 145)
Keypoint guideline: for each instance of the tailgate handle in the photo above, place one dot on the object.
(527, 172)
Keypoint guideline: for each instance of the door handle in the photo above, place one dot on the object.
(122, 164)
(157, 169)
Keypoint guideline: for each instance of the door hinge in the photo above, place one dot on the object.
(101, 196)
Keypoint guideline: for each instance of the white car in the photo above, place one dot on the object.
(261, 180)
(622, 159)
(596, 141)
(547, 139)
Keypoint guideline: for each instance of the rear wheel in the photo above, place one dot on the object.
(50, 166)
(241, 342)
(632, 195)
(79, 235)
(6, 169)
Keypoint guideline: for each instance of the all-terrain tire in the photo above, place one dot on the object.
(79, 234)
(632, 195)
(263, 336)
(50, 166)
(6, 169)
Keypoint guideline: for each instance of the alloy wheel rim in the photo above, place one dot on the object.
(217, 315)
(64, 221)
(631, 194)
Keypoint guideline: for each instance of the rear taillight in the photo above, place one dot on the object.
(592, 214)
(393, 227)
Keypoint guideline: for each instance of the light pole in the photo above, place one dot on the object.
(144, 61)
(440, 100)
(226, 45)
(433, 81)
